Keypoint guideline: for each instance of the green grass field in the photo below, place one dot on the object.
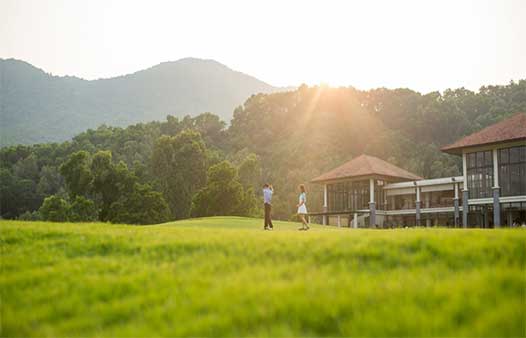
(225, 276)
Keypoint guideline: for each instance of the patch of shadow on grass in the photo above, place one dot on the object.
(101, 249)
(378, 257)
(11, 240)
(31, 237)
(173, 251)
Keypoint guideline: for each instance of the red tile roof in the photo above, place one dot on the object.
(511, 129)
(365, 165)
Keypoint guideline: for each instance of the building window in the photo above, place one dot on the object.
(407, 201)
(359, 195)
(480, 174)
(348, 196)
(512, 171)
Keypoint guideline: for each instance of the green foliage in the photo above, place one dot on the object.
(27, 168)
(225, 276)
(54, 209)
(250, 174)
(180, 163)
(82, 210)
(30, 216)
(17, 195)
(110, 181)
(116, 194)
(141, 206)
(223, 194)
(77, 173)
(50, 181)
(8, 204)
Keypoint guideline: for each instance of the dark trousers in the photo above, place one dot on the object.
(268, 221)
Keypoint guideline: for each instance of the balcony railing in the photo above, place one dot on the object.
(443, 202)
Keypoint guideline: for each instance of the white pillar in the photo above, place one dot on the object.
(456, 190)
(465, 193)
(355, 225)
(372, 205)
(325, 195)
(325, 204)
(495, 169)
(339, 221)
(465, 170)
(417, 206)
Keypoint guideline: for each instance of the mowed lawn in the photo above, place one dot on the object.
(225, 276)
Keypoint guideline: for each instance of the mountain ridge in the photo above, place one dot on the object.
(37, 107)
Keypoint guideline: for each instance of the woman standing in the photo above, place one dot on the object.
(302, 208)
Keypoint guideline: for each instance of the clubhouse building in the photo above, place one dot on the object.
(370, 192)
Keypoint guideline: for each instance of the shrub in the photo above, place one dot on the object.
(142, 206)
(223, 194)
(54, 209)
(82, 210)
(30, 216)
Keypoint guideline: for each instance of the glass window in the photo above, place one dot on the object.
(515, 155)
(480, 174)
(471, 160)
(504, 156)
(348, 196)
(512, 171)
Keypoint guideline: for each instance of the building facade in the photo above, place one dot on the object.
(370, 192)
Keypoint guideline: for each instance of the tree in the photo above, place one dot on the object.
(30, 216)
(141, 206)
(250, 172)
(54, 209)
(8, 195)
(17, 195)
(82, 210)
(77, 173)
(109, 181)
(209, 126)
(50, 181)
(223, 194)
(180, 163)
(27, 168)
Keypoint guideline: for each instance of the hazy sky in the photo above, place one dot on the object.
(423, 45)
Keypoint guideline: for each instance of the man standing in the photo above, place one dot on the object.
(267, 198)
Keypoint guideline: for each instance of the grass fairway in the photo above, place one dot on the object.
(225, 276)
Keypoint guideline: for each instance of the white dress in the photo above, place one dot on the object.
(302, 209)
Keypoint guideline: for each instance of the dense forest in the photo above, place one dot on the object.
(196, 166)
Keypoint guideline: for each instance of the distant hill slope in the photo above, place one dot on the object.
(37, 107)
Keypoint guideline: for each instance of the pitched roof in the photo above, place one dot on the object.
(365, 165)
(511, 129)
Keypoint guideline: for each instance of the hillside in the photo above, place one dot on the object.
(36, 107)
(225, 276)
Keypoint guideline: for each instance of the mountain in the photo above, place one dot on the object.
(37, 107)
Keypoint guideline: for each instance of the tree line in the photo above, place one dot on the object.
(197, 166)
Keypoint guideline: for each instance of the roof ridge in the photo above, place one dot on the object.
(508, 129)
(366, 165)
